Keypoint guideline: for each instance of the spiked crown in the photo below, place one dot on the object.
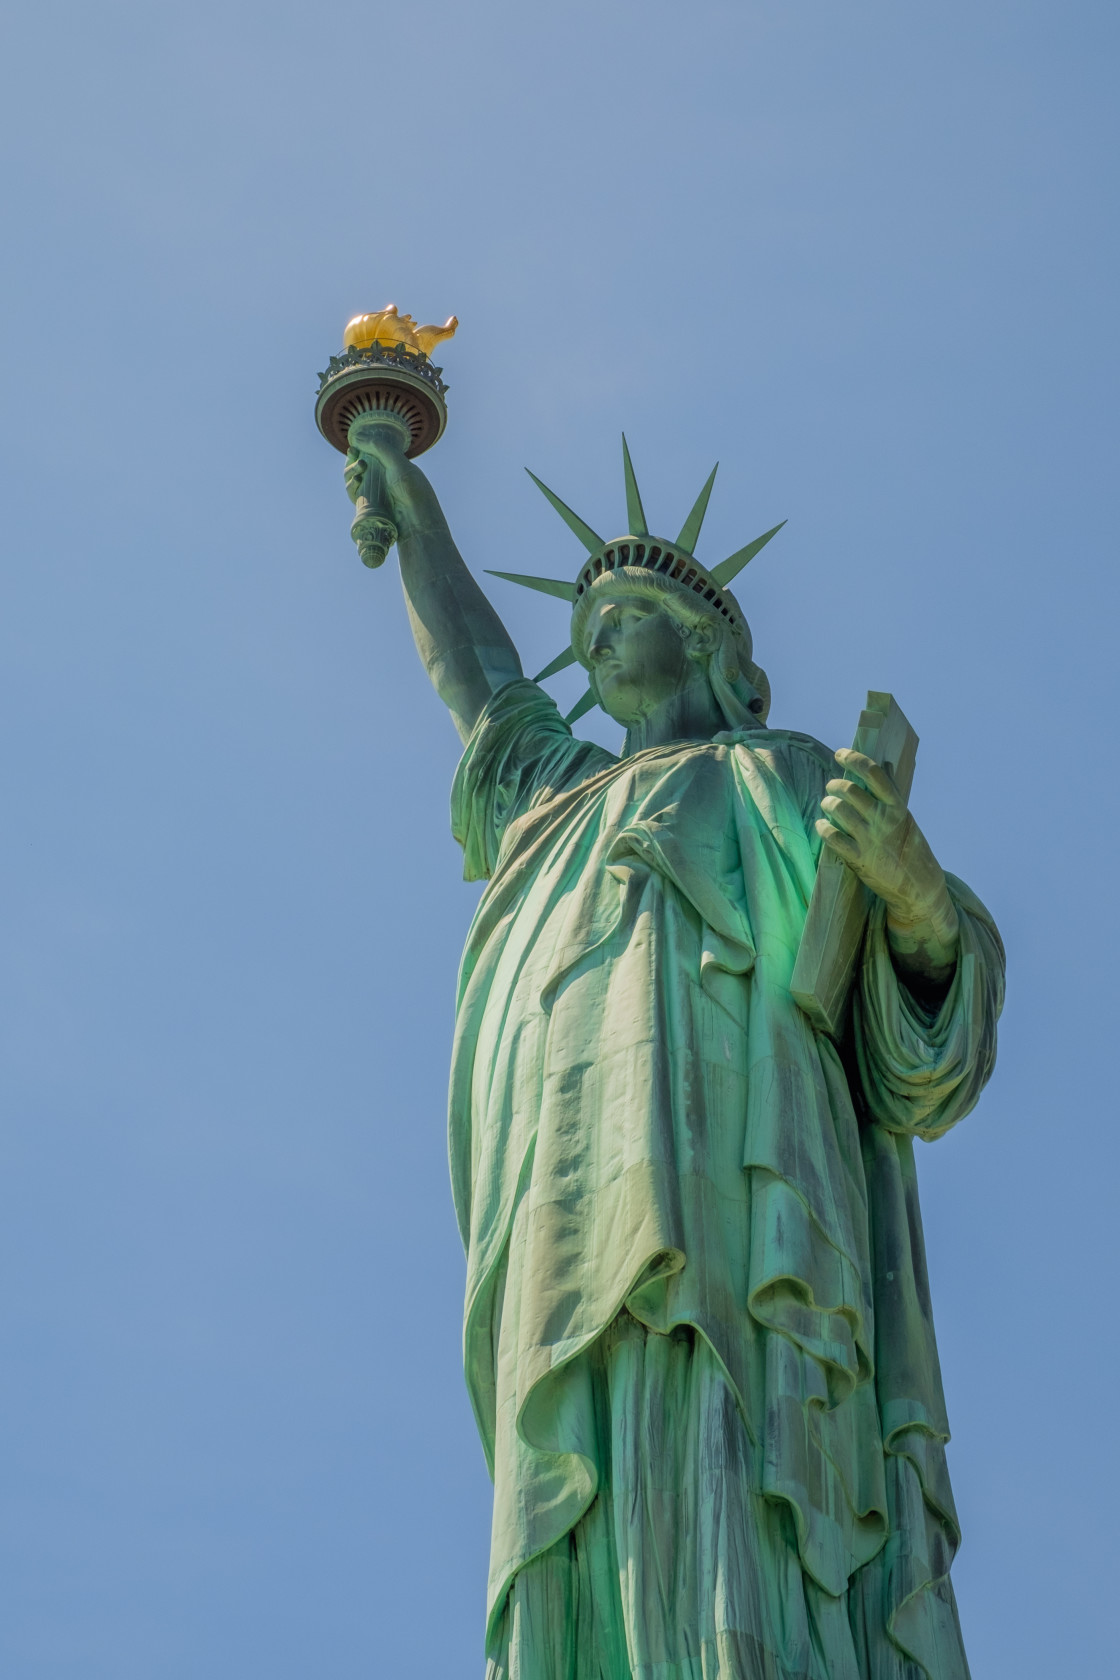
(637, 553)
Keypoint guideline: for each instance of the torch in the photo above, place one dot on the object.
(384, 385)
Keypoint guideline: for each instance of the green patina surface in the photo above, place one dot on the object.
(698, 1334)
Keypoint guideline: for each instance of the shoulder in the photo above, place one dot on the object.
(521, 719)
(521, 753)
(786, 750)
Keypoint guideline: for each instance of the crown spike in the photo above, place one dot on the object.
(546, 586)
(583, 704)
(586, 535)
(690, 530)
(733, 565)
(560, 663)
(635, 513)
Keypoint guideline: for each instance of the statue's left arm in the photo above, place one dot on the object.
(923, 1064)
(930, 987)
(870, 827)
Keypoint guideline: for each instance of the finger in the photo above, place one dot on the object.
(842, 844)
(842, 815)
(865, 803)
(878, 780)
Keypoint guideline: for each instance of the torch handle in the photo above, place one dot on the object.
(373, 528)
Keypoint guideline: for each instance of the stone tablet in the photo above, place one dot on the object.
(840, 905)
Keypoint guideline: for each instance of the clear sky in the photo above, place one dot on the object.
(865, 255)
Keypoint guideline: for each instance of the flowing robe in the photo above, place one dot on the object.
(645, 1128)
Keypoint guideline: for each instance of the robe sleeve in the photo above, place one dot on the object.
(520, 753)
(922, 1070)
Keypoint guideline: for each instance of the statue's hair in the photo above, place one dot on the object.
(723, 645)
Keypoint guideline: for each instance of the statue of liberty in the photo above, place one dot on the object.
(698, 1335)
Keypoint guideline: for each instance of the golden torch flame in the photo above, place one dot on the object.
(386, 326)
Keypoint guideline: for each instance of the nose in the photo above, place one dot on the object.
(601, 641)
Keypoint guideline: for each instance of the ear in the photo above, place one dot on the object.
(701, 639)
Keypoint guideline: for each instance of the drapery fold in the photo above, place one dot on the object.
(920, 1072)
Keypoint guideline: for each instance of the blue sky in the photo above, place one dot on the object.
(865, 256)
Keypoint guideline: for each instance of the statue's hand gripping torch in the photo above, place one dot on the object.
(373, 528)
(383, 389)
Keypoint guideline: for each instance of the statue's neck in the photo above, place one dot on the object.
(690, 715)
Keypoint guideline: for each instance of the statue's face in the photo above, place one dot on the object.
(638, 654)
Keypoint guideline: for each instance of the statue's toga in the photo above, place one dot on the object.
(698, 1334)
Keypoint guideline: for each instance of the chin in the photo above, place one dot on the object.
(618, 702)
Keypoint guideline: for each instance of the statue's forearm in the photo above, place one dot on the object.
(463, 643)
(924, 947)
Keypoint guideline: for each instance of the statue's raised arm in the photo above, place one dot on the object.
(381, 402)
(466, 649)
